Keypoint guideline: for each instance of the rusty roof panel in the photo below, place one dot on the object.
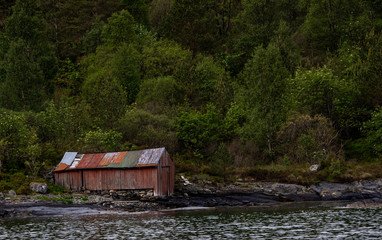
(61, 166)
(119, 157)
(94, 163)
(129, 159)
(150, 157)
(85, 161)
(107, 159)
(140, 158)
(112, 160)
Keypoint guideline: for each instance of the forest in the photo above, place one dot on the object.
(258, 88)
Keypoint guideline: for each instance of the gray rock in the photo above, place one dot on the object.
(150, 193)
(205, 191)
(121, 193)
(333, 191)
(287, 189)
(12, 193)
(99, 199)
(1, 196)
(373, 185)
(191, 189)
(319, 187)
(38, 187)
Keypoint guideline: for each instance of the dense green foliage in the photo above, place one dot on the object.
(219, 83)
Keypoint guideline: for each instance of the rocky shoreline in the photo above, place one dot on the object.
(364, 193)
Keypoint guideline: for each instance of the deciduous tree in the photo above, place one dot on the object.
(262, 97)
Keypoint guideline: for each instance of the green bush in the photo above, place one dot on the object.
(221, 163)
(373, 131)
(56, 189)
(16, 181)
(101, 141)
(360, 149)
(64, 199)
(306, 139)
(198, 130)
(332, 168)
(15, 139)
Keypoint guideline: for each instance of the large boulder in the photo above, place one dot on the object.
(39, 187)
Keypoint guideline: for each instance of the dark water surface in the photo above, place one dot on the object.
(241, 223)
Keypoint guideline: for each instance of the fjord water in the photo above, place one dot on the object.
(239, 223)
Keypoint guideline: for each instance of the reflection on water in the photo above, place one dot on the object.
(303, 223)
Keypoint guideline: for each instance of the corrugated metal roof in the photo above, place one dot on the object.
(68, 158)
(97, 158)
(119, 157)
(150, 156)
(85, 161)
(110, 157)
(61, 166)
(130, 159)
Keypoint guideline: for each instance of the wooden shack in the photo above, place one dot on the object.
(141, 170)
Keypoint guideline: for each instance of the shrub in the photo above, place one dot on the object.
(15, 138)
(332, 167)
(56, 189)
(306, 139)
(16, 181)
(65, 199)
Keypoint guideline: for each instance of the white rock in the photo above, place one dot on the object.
(186, 181)
(314, 167)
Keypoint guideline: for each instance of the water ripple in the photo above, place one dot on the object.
(333, 223)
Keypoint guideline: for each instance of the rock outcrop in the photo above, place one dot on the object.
(323, 191)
